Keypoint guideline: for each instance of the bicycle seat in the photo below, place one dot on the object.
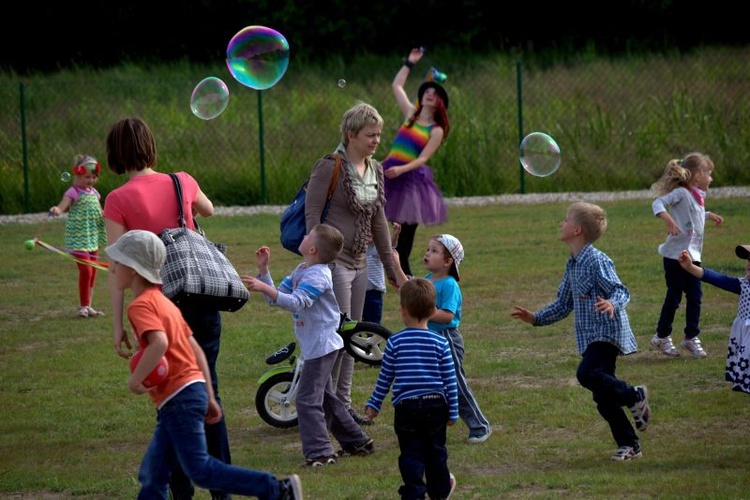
(281, 354)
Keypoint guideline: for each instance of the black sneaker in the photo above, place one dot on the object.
(362, 450)
(640, 410)
(290, 488)
(360, 419)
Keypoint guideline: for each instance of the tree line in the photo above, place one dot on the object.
(52, 36)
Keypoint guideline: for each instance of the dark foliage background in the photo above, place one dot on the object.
(49, 36)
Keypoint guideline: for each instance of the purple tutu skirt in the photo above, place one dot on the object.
(414, 198)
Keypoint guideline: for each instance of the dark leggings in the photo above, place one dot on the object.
(404, 246)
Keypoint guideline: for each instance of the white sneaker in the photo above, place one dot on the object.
(665, 345)
(694, 347)
(453, 486)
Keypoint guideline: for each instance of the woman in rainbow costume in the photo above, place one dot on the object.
(412, 197)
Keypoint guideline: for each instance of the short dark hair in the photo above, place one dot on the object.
(418, 297)
(130, 146)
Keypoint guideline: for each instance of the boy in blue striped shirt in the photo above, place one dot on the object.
(591, 289)
(418, 364)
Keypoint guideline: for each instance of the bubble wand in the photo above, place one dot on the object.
(70, 254)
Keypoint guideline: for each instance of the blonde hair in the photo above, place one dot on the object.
(418, 296)
(592, 219)
(329, 241)
(358, 117)
(679, 173)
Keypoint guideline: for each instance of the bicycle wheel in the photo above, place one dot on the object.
(365, 341)
(273, 402)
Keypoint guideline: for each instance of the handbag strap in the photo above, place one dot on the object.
(178, 191)
(332, 187)
(181, 211)
(335, 178)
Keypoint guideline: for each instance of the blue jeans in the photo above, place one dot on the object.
(420, 425)
(596, 372)
(179, 437)
(373, 310)
(206, 327)
(678, 282)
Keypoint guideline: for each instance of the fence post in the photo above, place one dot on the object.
(26, 195)
(519, 88)
(263, 189)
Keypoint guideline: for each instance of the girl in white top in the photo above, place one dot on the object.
(682, 192)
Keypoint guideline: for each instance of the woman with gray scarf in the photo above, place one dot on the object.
(357, 209)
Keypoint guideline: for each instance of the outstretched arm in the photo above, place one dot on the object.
(687, 264)
(404, 104)
(523, 315)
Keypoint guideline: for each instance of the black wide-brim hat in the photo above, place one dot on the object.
(438, 88)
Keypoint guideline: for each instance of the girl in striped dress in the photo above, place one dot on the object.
(84, 229)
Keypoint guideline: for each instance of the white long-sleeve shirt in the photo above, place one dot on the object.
(690, 216)
(308, 294)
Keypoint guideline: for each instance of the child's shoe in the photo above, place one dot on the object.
(290, 488)
(319, 461)
(627, 453)
(453, 486)
(640, 410)
(83, 312)
(93, 313)
(665, 345)
(362, 450)
(480, 438)
(360, 419)
(694, 347)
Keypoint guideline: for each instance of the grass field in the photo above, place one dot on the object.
(71, 428)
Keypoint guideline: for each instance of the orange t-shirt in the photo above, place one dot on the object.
(152, 310)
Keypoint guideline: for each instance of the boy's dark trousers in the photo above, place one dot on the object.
(597, 374)
(420, 424)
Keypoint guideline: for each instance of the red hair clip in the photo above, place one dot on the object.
(90, 165)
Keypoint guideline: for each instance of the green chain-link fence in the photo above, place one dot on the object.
(617, 122)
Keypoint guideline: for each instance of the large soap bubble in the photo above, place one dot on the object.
(540, 154)
(209, 98)
(258, 57)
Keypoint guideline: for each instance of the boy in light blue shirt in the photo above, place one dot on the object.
(308, 294)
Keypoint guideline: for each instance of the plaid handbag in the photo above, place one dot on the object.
(197, 272)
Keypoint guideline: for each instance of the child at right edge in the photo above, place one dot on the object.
(441, 259)
(591, 289)
(682, 191)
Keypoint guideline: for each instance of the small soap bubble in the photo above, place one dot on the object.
(65, 177)
(342, 83)
(209, 98)
(258, 57)
(540, 154)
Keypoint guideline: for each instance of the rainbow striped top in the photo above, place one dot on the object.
(409, 142)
